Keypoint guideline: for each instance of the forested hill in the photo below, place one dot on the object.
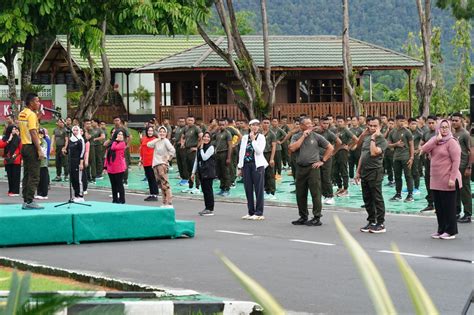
(382, 22)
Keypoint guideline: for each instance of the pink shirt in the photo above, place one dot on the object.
(445, 160)
(118, 165)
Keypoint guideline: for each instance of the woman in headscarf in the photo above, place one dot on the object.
(163, 153)
(146, 160)
(116, 167)
(76, 151)
(445, 178)
(43, 185)
(11, 144)
(205, 168)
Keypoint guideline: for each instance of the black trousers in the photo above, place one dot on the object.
(371, 184)
(388, 166)
(253, 182)
(150, 176)
(464, 195)
(223, 170)
(284, 154)
(208, 192)
(76, 178)
(61, 161)
(429, 193)
(278, 162)
(269, 184)
(190, 157)
(85, 180)
(44, 182)
(415, 171)
(308, 178)
(354, 157)
(13, 175)
(341, 171)
(181, 161)
(118, 191)
(445, 204)
(400, 166)
(326, 182)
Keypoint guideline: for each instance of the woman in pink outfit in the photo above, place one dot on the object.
(445, 155)
(116, 167)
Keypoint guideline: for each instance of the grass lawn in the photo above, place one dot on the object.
(47, 283)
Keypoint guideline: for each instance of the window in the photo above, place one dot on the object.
(320, 91)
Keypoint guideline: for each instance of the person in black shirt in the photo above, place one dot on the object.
(76, 150)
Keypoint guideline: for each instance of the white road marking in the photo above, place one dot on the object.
(404, 254)
(233, 232)
(312, 242)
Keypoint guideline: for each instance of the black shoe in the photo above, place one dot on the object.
(366, 229)
(428, 208)
(206, 213)
(390, 184)
(458, 216)
(300, 221)
(151, 198)
(465, 219)
(362, 206)
(313, 222)
(377, 228)
(397, 197)
(409, 198)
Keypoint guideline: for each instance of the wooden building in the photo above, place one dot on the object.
(190, 82)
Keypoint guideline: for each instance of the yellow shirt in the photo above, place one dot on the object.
(28, 120)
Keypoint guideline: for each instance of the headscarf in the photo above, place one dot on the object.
(449, 136)
(74, 137)
(204, 147)
(11, 147)
(111, 154)
(163, 127)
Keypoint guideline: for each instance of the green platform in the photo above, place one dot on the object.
(100, 222)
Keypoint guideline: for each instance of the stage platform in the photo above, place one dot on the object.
(102, 221)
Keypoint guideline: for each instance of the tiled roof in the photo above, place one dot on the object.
(132, 51)
(291, 52)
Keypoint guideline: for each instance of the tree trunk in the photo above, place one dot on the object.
(349, 79)
(10, 65)
(27, 66)
(424, 83)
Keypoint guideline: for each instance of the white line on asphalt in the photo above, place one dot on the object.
(233, 232)
(311, 242)
(404, 254)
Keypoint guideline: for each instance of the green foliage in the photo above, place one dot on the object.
(258, 293)
(246, 21)
(73, 98)
(465, 70)
(461, 9)
(141, 95)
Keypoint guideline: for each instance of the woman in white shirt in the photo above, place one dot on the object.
(205, 167)
(252, 164)
(163, 153)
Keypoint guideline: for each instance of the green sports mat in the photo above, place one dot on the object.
(100, 222)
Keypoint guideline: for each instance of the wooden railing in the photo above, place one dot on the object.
(291, 110)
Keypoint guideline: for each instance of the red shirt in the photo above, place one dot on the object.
(17, 161)
(146, 153)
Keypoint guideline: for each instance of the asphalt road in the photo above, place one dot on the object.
(307, 269)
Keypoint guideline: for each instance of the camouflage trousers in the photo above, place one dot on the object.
(161, 175)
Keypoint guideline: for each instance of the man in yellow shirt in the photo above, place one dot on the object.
(31, 150)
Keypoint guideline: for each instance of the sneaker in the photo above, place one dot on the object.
(85, 192)
(246, 217)
(338, 191)
(41, 197)
(225, 193)
(183, 182)
(99, 178)
(187, 190)
(31, 206)
(166, 206)
(78, 199)
(391, 183)
(416, 191)
(233, 185)
(196, 191)
(428, 208)
(57, 179)
(343, 193)
(300, 221)
(435, 235)
(220, 193)
(66, 178)
(257, 217)
(366, 229)
(446, 236)
(269, 196)
(329, 201)
(313, 222)
(110, 196)
(13, 195)
(125, 183)
(377, 228)
(397, 197)
(206, 213)
(465, 219)
(409, 198)
(151, 198)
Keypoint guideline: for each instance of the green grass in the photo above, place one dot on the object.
(45, 283)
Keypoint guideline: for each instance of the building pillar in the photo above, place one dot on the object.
(158, 98)
(409, 89)
(202, 96)
(128, 96)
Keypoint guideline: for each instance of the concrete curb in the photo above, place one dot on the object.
(146, 294)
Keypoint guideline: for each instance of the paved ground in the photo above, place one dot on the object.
(308, 269)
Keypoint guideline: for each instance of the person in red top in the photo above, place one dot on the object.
(11, 144)
(116, 167)
(146, 160)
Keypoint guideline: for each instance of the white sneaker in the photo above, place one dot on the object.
(78, 199)
(257, 217)
(41, 198)
(195, 191)
(246, 217)
(269, 197)
(187, 190)
(110, 196)
(329, 201)
(85, 192)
